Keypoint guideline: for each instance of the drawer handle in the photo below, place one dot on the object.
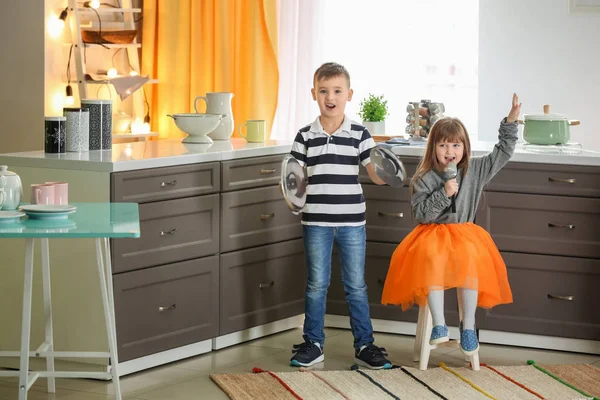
(171, 232)
(566, 298)
(266, 216)
(266, 285)
(172, 183)
(567, 226)
(267, 171)
(395, 215)
(559, 180)
(161, 309)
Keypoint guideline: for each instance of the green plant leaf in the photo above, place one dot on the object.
(373, 108)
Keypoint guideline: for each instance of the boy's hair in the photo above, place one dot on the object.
(444, 130)
(330, 70)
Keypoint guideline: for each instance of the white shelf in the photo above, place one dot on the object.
(112, 45)
(107, 10)
(105, 81)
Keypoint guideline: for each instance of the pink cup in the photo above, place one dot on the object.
(61, 192)
(42, 194)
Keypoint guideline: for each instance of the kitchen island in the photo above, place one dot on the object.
(220, 258)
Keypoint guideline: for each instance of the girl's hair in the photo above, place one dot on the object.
(444, 130)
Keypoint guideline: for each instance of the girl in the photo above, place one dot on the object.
(447, 249)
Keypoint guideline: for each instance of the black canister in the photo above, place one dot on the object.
(55, 135)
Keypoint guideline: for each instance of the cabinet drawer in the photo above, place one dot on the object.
(171, 231)
(553, 296)
(251, 172)
(262, 285)
(564, 180)
(165, 183)
(410, 164)
(256, 217)
(388, 213)
(377, 263)
(558, 225)
(161, 308)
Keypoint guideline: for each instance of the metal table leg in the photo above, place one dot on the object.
(26, 321)
(48, 314)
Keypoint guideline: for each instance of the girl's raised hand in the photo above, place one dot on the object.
(513, 115)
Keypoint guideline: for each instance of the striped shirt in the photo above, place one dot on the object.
(334, 197)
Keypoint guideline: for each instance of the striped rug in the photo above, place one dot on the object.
(531, 381)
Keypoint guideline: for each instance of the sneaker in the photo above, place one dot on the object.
(439, 334)
(307, 354)
(469, 344)
(372, 357)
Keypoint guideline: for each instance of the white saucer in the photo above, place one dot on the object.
(10, 216)
(48, 208)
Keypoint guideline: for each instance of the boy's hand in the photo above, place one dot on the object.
(513, 115)
(373, 175)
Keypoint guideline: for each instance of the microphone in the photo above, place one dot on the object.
(451, 172)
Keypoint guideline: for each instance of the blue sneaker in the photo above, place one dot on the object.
(439, 334)
(469, 344)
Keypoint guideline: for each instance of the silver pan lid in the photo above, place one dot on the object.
(293, 183)
(388, 167)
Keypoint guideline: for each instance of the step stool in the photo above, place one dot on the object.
(422, 346)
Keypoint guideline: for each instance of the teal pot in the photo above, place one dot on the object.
(547, 128)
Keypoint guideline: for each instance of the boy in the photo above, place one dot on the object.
(330, 148)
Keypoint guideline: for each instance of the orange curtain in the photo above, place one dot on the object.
(197, 46)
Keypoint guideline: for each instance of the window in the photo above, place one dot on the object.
(407, 50)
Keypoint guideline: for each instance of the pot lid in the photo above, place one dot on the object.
(388, 167)
(4, 171)
(546, 116)
(293, 183)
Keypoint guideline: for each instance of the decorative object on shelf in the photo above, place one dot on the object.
(373, 111)
(197, 126)
(55, 135)
(78, 129)
(126, 36)
(100, 123)
(13, 188)
(421, 117)
(546, 128)
(256, 130)
(219, 103)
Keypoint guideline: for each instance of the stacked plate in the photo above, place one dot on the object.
(10, 217)
(48, 211)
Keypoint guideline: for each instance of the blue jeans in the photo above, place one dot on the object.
(351, 243)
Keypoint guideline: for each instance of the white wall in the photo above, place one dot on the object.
(546, 55)
(21, 75)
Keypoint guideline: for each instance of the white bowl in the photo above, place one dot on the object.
(197, 125)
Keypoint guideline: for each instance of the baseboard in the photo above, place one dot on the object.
(257, 332)
(485, 336)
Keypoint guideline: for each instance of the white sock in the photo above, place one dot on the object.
(435, 299)
(469, 306)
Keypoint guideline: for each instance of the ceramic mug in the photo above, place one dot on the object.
(61, 192)
(42, 194)
(256, 130)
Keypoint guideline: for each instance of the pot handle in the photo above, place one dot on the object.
(169, 115)
(574, 122)
(196, 100)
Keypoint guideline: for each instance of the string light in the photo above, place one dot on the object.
(69, 99)
(112, 73)
(57, 24)
(92, 4)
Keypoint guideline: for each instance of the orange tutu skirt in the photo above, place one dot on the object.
(445, 256)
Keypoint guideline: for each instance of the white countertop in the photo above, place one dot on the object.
(164, 153)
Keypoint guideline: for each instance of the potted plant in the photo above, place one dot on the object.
(373, 111)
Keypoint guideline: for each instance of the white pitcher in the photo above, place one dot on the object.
(13, 189)
(219, 103)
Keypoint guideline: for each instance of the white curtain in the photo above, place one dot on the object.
(299, 24)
